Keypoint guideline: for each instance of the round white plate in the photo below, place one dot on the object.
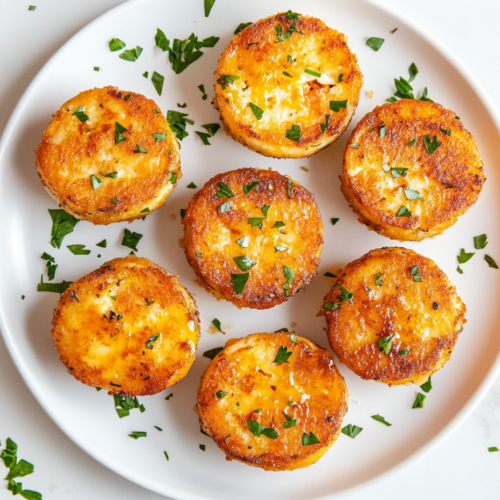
(88, 416)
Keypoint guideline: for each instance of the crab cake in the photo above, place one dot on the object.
(129, 327)
(287, 86)
(411, 169)
(393, 316)
(253, 237)
(109, 156)
(274, 401)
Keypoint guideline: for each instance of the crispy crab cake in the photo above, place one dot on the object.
(129, 327)
(253, 237)
(274, 401)
(411, 169)
(393, 316)
(109, 156)
(287, 86)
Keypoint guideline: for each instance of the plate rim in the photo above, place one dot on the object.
(453, 424)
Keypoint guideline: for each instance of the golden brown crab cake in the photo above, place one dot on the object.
(274, 401)
(411, 169)
(109, 156)
(287, 86)
(253, 237)
(393, 316)
(129, 327)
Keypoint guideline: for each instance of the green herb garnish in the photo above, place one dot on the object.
(62, 225)
(178, 122)
(131, 55)
(419, 401)
(138, 434)
(241, 27)
(119, 129)
(78, 250)
(208, 4)
(225, 207)
(250, 186)
(336, 106)
(80, 114)
(282, 355)
(224, 191)
(491, 449)
(378, 281)
(375, 43)
(414, 274)
(413, 70)
(464, 257)
(258, 429)
(427, 386)
(131, 239)
(244, 263)
(385, 344)
(404, 352)
(480, 241)
(324, 126)
(412, 142)
(221, 394)
(158, 80)
(225, 80)
(294, 133)
(116, 44)
(96, 182)
(413, 195)
(255, 221)
(431, 145)
(351, 430)
(52, 287)
(378, 418)
(140, 149)
(243, 242)
(211, 128)
(123, 405)
(290, 277)
(344, 295)
(259, 113)
(212, 352)
(491, 262)
(403, 212)
(278, 224)
(239, 281)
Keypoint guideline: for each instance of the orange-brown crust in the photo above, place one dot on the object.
(210, 236)
(246, 371)
(254, 56)
(450, 179)
(71, 151)
(112, 352)
(425, 317)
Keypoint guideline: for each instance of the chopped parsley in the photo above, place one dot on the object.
(414, 274)
(278, 224)
(178, 122)
(244, 263)
(258, 112)
(173, 178)
(212, 352)
(131, 239)
(241, 27)
(119, 129)
(225, 207)
(202, 447)
(131, 55)
(375, 43)
(403, 212)
(351, 430)
(221, 394)
(258, 429)
(385, 344)
(62, 225)
(125, 404)
(419, 401)
(491, 449)
(308, 439)
(294, 133)
(404, 352)
(265, 209)
(211, 128)
(283, 36)
(116, 44)
(324, 126)
(344, 295)
(204, 137)
(378, 418)
(378, 281)
(182, 105)
(160, 137)
(138, 434)
(336, 106)
(158, 80)
(140, 149)
(217, 324)
(96, 182)
(78, 249)
(393, 31)
(191, 185)
(431, 144)
(464, 257)
(249, 187)
(427, 387)
(202, 90)
(412, 142)
(413, 70)
(224, 190)
(208, 4)
(145, 74)
(413, 195)
(31, 7)
(239, 281)
(243, 242)
(80, 114)
(111, 175)
(51, 265)
(396, 172)
(225, 80)
(282, 355)
(480, 241)
(334, 221)
(183, 53)
(491, 262)
(255, 221)
(52, 287)
(280, 248)
(290, 277)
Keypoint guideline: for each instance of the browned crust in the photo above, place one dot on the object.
(454, 173)
(254, 48)
(264, 288)
(313, 369)
(140, 374)
(65, 168)
(400, 310)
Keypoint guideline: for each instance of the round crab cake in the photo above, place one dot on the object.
(253, 237)
(287, 86)
(393, 316)
(274, 401)
(129, 327)
(109, 156)
(411, 169)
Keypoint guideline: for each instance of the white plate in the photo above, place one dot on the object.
(87, 416)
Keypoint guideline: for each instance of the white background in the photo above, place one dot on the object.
(460, 468)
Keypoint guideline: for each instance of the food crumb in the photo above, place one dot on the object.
(52, 487)
(369, 94)
(173, 216)
(293, 324)
(182, 243)
(304, 169)
(212, 329)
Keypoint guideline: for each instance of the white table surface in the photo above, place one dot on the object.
(461, 468)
